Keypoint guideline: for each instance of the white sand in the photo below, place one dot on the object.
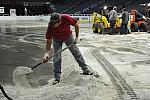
(122, 51)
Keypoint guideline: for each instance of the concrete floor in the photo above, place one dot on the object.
(23, 44)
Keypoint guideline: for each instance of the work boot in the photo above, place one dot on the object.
(56, 81)
(87, 72)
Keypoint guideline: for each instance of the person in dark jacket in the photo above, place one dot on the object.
(125, 19)
(59, 32)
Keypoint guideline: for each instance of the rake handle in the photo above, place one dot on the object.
(36, 65)
(52, 56)
(4, 93)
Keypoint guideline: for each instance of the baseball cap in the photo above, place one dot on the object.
(55, 17)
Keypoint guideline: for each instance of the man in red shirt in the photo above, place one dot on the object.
(59, 32)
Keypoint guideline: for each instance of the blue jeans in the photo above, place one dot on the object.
(112, 26)
(57, 45)
(124, 28)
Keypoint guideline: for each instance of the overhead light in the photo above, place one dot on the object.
(148, 4)
(105, 7)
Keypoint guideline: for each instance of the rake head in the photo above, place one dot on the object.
(22, 70)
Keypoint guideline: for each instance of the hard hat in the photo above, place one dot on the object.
(55, 17)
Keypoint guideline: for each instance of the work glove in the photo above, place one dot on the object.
(77, 41)
(46, 57)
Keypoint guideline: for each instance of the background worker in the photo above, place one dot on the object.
(125, 19)
(59, 32)
(112, 19)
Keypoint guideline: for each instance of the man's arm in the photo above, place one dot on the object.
(48, 45)
(77, 33)
(77, 29)
(123, 16)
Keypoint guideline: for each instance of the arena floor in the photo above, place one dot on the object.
(22, 43)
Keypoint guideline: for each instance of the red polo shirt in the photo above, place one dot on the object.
(63, 31)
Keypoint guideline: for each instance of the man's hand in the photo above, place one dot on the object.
(77, 40)
(46, 57)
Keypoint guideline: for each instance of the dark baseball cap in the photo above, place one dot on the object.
(55, 17)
